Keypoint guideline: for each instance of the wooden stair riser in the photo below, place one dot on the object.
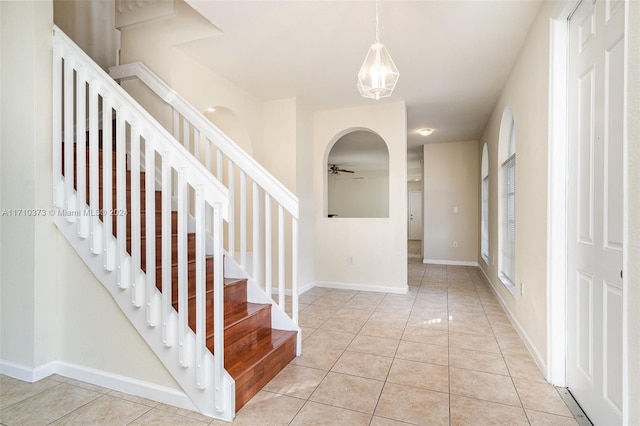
(260, 372)
(235, 328)
(191, 248)
(191, 277)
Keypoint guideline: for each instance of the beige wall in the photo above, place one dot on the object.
(526, 92)
(378, 245)
(451, 177)
(361, 194)
(91, 24)
(29, 290)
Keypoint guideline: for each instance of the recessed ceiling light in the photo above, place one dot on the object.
(211, 109)
(426, 132)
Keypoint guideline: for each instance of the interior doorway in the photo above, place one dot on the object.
(414, 225)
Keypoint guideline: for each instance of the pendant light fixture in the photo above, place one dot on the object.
(378, 75)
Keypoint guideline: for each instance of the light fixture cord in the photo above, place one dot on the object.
(377, 23)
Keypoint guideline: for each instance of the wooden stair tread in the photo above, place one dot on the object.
(268, 341)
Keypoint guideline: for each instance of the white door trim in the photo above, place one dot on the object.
(557, 196)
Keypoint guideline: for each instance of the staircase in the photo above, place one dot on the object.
(149, 220)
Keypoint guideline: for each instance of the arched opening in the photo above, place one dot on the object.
(357, 168)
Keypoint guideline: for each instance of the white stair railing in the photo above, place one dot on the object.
(148, 160)
(263, 212)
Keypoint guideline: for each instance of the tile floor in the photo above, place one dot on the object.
(444, 354)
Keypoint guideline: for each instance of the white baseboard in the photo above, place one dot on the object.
(27, 374)
(105, 379)
(450, 262)
(362, 287)
(306, 287)
(535, 354)
(301, 290)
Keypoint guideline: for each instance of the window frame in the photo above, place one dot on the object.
(484, 205)
(507, 202)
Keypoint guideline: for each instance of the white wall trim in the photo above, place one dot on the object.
(557, 196)
(537, 357)
(362, 287)
(450, 262)
(301, 289)
(27, 374)
(105, 379)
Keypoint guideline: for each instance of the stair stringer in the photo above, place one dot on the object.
(255, 294)
(203, 400)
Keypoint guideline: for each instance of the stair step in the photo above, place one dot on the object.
(255, 366)
(240, 320)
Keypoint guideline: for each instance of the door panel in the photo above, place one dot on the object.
(415, 215)
(595, 208)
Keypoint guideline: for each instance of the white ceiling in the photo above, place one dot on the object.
(453, 56)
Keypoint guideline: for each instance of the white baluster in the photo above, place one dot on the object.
(183, 290)
(121, 203)
(201, 289)
(219, 166)
(243, 220)
(94, 194)
(150, 230)
(294, 270)
(256, 234)
(268, 279)
(81, 153)
(58, 196)
(68, 138)
(176, 124)
(137, 286)
(196, 144)
(281, 247)
(218, 307)
(185, 129)
(108, 248)
(167, 291)
(208, 153)
(232, 210)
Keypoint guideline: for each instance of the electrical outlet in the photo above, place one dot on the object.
(349, 260)
(455, 244)
(522, 289)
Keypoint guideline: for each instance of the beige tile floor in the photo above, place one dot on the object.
(444, 354)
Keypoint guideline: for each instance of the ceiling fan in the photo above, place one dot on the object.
(334, 169)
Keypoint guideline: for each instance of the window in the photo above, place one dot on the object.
(507, 239)
(484, 219)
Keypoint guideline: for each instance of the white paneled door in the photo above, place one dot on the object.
(595, 209)
(415, 215)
